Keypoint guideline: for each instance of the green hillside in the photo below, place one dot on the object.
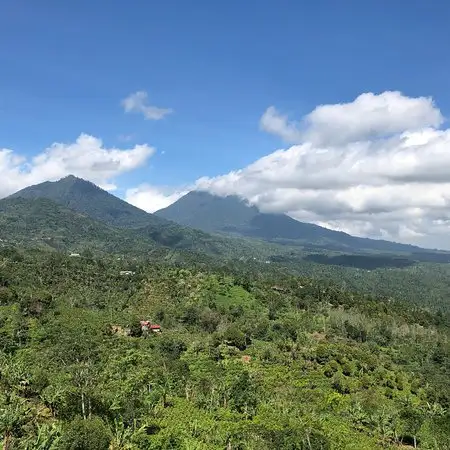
(43, 223)
(87, 198)
(232, 215)
(249, 361)
(263, 345)
(420, 277)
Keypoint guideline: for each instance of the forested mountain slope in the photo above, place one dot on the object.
(211, 214)
(247, 361)
(42, 222)
(231, 214)
(39, 222)
(87, 198)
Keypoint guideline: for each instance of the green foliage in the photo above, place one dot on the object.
(90, 434)
(305, 365)
(88, 199)
(73, 215)
(233, 215)
(45, 224)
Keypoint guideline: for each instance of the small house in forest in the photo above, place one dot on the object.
(147, 326)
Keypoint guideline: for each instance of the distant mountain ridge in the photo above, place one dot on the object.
(198, 221)
(73, 212)
(87, 198)
(232, 215)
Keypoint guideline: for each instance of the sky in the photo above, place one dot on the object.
(332, 112)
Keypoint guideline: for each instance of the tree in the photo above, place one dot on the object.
(80, 434)
(412, 421)
(244, 394)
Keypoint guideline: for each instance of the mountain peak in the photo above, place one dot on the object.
(72, 179)
(215, 197)
(87, 198)
(75, 211)
(209, 212)
(68, 178)
(232, 214)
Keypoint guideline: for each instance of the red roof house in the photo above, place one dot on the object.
(147, 325)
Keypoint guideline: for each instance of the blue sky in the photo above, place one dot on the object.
(66, 67)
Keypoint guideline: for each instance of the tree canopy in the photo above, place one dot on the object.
(247, 359)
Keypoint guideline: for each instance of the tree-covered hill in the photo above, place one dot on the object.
(87, 198)
(39, 222)
(42, 222)
(269, 233)
(232, 215)
(421, 277)
(206, 212)
(248, 360)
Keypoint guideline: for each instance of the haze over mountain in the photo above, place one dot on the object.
(232, 215)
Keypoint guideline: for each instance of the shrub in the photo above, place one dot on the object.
(90, 434)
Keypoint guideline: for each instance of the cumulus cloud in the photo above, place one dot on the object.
(138, 103)
(378, 166)
(152, 198)
(369, 115)
(87, 158)
(276, 123)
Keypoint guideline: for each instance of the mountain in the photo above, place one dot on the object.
(210, 213)
(43, 223)
(232, 215)
(74, 213)
(78, 211)
(87, 198)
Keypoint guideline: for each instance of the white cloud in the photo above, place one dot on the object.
(137, 103)
(276, 123)
(369, 115)
(377, 167)
(87, 158)
(152, 198)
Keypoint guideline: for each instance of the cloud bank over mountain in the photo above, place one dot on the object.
(378, 166)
